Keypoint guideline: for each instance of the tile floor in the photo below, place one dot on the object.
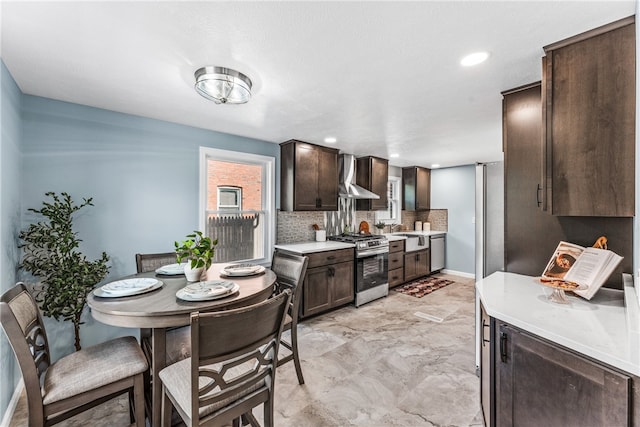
(376, 365)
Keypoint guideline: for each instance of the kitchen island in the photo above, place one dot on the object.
(556, 364)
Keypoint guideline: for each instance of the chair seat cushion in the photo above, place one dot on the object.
(176, 379)
(93, 367)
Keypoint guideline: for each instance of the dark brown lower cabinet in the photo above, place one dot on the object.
(326, 287)
(485, 366)
(539, 383)
(416, 264)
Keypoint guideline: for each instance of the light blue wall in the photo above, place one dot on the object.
(9, 215)
(142, 174)
(454, 189)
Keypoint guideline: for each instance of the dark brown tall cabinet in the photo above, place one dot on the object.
(416, 188)
(531, 234)
(308, 177)
(589, 100)
(372, 173)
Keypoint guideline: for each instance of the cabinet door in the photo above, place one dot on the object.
(316, 293)
(327, 180)
(410, 266)
(342, 287)
(541, 384)
(423, 189)
(422, 263)
(590, 119)
(306, 177)
(485, 366)
(396, 277)
(379, 182)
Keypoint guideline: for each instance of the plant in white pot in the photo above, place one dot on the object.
(198, 251)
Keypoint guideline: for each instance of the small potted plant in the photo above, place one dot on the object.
(198, 251)
(380, 226)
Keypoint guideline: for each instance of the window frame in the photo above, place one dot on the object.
(396, 182)
(268, 199)
(230, 188)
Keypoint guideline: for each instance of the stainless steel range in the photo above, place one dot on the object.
(371, 265)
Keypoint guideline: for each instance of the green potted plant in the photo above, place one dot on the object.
(50, 252)
(380, 226)
(198, 251)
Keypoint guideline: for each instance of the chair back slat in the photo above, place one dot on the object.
(235, 350)
(151, 262)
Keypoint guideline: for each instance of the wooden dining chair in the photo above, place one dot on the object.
(290, 270)
(232, 367)
(151, 262)
(74, 383)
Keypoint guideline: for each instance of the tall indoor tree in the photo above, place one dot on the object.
(51, 253)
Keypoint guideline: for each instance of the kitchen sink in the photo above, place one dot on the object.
(414, 242)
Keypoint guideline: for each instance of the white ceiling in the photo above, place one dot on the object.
(382, 77)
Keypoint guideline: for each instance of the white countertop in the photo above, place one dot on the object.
(310, 247)
(396, 235)
(596, 328)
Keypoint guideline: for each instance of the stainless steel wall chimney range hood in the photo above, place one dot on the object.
(347, 185)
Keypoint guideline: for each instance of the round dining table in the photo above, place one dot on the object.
(160, 309)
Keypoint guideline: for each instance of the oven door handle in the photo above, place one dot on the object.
(378, 251)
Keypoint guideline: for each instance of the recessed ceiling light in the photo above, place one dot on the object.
(330, 140)
(474, 59)
(394, 155)
(435, 166)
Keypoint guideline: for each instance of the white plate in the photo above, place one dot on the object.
(204, 291)
(129, 286)
(171, 269)
(99, 292)
(234, 271)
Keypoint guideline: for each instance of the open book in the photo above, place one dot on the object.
(584, 266)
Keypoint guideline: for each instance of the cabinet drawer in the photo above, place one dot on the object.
(318, 259)
(396, 246)
(396, 260)
(396, 277)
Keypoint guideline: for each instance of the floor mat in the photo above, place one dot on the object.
(421, 287)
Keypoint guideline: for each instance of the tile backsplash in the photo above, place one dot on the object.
(296, 226)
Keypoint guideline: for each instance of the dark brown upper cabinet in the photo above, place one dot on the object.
(589, 123)
(372, 173)
(308, 177)
(416, 188)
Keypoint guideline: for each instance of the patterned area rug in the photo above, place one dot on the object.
(421, 287)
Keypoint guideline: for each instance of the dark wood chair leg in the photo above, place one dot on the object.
(138, 398)
(296, 358)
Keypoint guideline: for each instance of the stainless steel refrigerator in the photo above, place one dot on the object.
(489, 242)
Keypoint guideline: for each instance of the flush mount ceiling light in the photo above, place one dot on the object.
(330, 140)
(223, 85)
(474, 59)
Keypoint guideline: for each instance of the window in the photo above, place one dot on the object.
(229, 199)
(392, 215)
(237, 204)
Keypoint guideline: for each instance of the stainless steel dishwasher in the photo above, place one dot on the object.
(437, 244)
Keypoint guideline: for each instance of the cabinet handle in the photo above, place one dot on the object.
(484, 325)
(538, 190)
(332, 271)
(503, 347)
(331, 257)
(318, 202)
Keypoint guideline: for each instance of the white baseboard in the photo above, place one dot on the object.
(459, 273)
(8, 415)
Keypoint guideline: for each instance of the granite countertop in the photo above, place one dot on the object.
(597, 328)
(302, 248)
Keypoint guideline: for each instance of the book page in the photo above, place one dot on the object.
(607, 261)
(589, 267)
(563, 259)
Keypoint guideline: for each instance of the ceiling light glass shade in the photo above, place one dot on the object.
(223, 85)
